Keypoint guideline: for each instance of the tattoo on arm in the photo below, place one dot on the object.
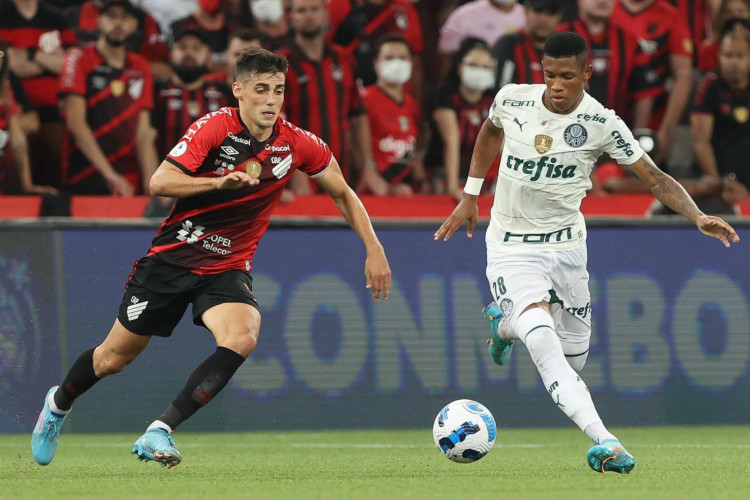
(668, 191)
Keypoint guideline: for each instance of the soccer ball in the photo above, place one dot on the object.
(464, 431)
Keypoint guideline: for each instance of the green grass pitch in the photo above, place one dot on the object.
(673, 462)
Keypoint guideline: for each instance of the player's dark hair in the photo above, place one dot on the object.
(260, 62)
(390, 38)
(248, 35)
(467, 45)
(566, 44)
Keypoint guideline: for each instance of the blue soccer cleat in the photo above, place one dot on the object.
(609, 455)
(499, 348)
(46, 432)
(157, 445)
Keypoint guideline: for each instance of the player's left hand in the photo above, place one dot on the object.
(717, 228)
(378, 274)
(466, 211)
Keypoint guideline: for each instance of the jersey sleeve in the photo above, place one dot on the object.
(413, 32)
(495, 110)
(443, 98)
(680, 41)
(619, 143)
(73, 74)
(204, 135)
(315, 153)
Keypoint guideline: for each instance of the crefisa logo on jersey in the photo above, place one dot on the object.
(575, 135)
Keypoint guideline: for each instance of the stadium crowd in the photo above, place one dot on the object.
(94, 93)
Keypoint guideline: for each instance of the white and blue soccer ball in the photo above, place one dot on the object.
(464, 431)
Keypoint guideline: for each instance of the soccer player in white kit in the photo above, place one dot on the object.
(551, 136)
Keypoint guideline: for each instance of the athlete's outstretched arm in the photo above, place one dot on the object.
(169, 180)
(488, 145)
(377, 271)
(672, 194)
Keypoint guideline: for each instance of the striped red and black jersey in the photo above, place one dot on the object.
(708, 56)
(620, 66)
(115, 98)
(662, 32)
(176, 108)
(356, 25)
(8, 109)
(220, 230)
(518, 61)
(322, 96)
(394, 127)
(47, 31)
(730, 109)
(698, 19)
(470, 117)
(146, 41)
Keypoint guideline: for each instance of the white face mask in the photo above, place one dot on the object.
(477, 79)
(395, 71)
(267, 11)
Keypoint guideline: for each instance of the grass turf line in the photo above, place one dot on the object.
(673, 462)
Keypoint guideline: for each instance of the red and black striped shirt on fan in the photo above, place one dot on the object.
(518, 61)
(115, 98)
(46, 32)
(176, 108)
(620, 67)
(322, 96)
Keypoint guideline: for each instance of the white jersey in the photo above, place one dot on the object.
(545, 166)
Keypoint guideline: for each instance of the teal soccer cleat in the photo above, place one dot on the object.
(499, 348)
(157, 445)
(46, 432)
(609, 455)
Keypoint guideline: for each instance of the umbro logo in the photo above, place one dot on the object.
(230, 150)
(136, 309)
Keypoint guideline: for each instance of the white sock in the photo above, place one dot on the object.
(158, 424)
(598, 433)
(536, 330)
(53, 407)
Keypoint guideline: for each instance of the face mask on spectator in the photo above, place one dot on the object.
(477, 79)
(504, 3)
(211, 7)
(395, 71)
(267, 11)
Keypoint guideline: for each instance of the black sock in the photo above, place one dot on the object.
(80, 378)
(203, 385)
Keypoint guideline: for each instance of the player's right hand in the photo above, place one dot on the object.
(466, 211)
(236, 180)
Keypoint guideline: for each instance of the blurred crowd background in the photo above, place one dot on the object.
(94, 93)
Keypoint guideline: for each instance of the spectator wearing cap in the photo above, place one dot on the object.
(167, 11)
(187, 94)
(38, 36)
(519, 54)
(321, 91)
(147, 39)
(107, 97)
(210, 18)
(484, 19)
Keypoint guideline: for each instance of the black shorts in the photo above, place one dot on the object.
(157, 295)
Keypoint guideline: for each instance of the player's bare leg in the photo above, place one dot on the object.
(118, 350)
(235, 327)
(535, 328)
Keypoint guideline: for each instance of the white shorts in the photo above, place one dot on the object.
(518, 280)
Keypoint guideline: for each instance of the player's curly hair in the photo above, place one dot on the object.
(566, 44)
(260, 61)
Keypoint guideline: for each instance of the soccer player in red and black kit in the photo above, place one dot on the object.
(107, 96)
(203, 251)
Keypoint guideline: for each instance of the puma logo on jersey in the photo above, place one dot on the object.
(544, 164)
(520, 125)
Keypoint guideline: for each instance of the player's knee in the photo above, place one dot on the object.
(577, 362)
(242, 340)
(109, 363)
